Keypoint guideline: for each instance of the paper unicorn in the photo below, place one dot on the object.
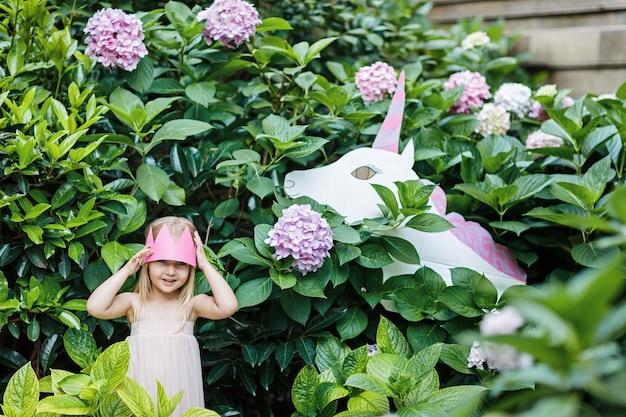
(345, 185)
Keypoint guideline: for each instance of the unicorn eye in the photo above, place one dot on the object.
(365, 172)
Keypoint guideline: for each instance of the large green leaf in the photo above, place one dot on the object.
(81, 346)
(303, 390)
(112, 365)
(153, 181)
(254, 292)
(352, 324)
(296, 306)
(390, 340)
(22, 393)
(66, 405)
(136, 398)
(178, 130)
(401, 249)
(115, 255)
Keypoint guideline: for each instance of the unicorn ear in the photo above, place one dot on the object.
(388, 136)
(408, 154)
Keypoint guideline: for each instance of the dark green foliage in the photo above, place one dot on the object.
(89, 155)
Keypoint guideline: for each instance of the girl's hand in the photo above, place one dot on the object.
(134, 263)
(201, 259)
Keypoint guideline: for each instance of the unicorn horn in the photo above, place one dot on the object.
(388, 136)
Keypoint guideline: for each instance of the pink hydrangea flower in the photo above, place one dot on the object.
(514, 97)
(375, 81)
(303, 234)
(229, 22)
(504, 321)
(537, 112)
(115, 39)
(539, 139)
(493, 120)
(475, 90)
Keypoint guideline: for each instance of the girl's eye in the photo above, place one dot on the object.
(181, 264)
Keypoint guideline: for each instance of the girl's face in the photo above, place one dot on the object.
(168, 276)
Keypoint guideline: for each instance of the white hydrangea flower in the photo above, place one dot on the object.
(475, 39)
(504, 321)
(493, 120)
(514, 97)
(548, 90)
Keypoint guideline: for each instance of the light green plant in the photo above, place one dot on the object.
(101, 389)
(356, 383)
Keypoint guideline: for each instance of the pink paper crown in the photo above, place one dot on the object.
(165, 249)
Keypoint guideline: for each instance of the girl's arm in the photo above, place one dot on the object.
(105, 302)
(223, 303)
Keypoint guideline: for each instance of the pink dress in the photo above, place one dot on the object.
(167, 351)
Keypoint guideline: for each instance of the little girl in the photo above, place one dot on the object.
(163, 309)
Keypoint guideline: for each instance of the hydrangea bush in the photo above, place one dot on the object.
(100, 135)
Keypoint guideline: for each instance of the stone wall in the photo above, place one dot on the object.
(582, 43)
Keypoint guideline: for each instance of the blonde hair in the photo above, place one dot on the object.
(176, 226)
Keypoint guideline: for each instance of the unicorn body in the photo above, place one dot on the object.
(346, 185)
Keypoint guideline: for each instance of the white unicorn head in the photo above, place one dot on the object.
(345, 185)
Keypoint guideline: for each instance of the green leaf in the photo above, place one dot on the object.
(153, 181)
(450, 397)
(428, 222)
(22, 393)
(366, 404)
(346, 253)
(352, 324)
(283, 280)
(389, 199)
(306, 350)
(390, 340)
(115, 255)
(327, 392)
(112, 365)
(199, 412)
(479, 194)
(373, 256)
(592, 255)
(303, 390)
(166, 406)
(460, 300)
(34, 233)
(331, 353)
(66, 405)
(296, 306)
(309, 287)
(201, 92)
(81, 347)
(254, 292)
(575, 194)
(401, 249)
(141, 78)
(178, 130)
(284, 353)
(244, 250)
(261, 186)
(369, 382)
(273, 23)
(346, 234)
(135, 397)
